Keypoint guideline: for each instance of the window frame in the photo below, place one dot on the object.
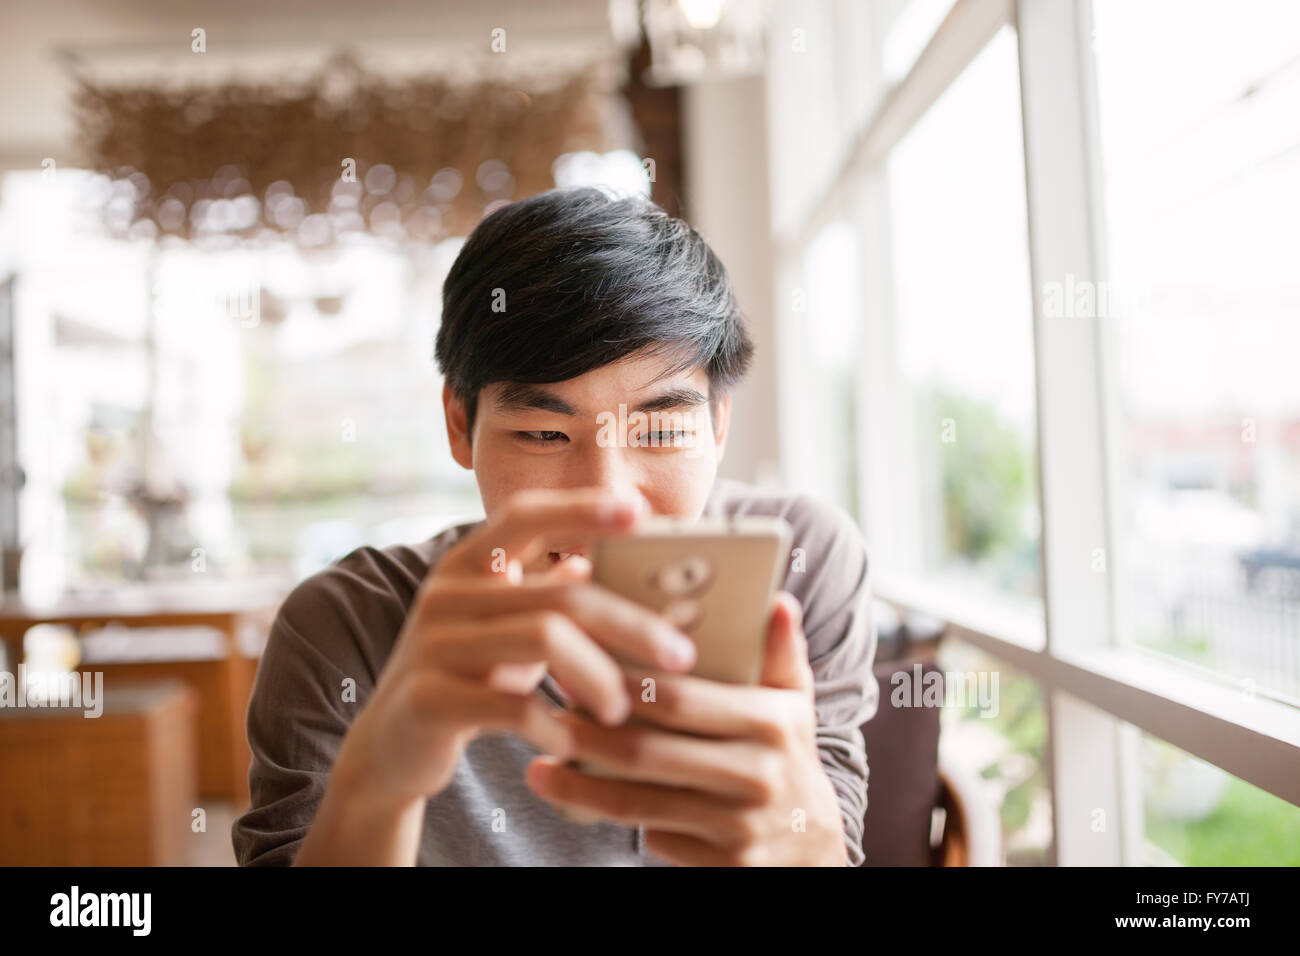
(1102, 691)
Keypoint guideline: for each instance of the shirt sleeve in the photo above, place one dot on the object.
(310, 683)
(836, 598)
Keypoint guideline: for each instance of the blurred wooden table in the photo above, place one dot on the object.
(114, 790)
(224, 684)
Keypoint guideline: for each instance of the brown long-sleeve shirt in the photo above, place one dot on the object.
(343, 622)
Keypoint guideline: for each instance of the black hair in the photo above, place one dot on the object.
(553, 286)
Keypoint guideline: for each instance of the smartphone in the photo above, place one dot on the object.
(713, 579)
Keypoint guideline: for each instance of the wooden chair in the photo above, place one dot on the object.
(908, 783)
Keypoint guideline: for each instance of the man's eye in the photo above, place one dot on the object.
(665, 439)
(543, 437)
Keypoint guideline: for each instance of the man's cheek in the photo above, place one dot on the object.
(680, 487)
(501, 475)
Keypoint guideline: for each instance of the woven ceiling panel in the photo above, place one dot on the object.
(345, 151)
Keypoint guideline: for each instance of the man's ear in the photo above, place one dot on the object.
(720, 427)
(457, 428)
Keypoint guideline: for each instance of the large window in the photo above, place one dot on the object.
(232, 411)
(1077, 431)
(1201, 161)
(233, 408)
(963, 330)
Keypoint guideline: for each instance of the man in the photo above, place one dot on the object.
(400, 713)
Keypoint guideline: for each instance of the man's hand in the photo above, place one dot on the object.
(479, 637)
(718, 774)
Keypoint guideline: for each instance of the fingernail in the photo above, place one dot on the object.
(541, 775)
(618, 711)
(679, 650)
(615, 511)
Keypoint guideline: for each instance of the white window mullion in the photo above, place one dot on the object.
(1086, 751)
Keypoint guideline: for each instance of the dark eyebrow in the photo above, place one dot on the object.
(518, 396)
(677, 397)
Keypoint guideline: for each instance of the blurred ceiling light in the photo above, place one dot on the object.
(691, 40)
(702, 14)
(620, 171)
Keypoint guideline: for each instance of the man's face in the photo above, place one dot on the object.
(572, 434)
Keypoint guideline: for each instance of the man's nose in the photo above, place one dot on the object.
(610, 469)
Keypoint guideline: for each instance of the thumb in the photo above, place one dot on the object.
(785, 658)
